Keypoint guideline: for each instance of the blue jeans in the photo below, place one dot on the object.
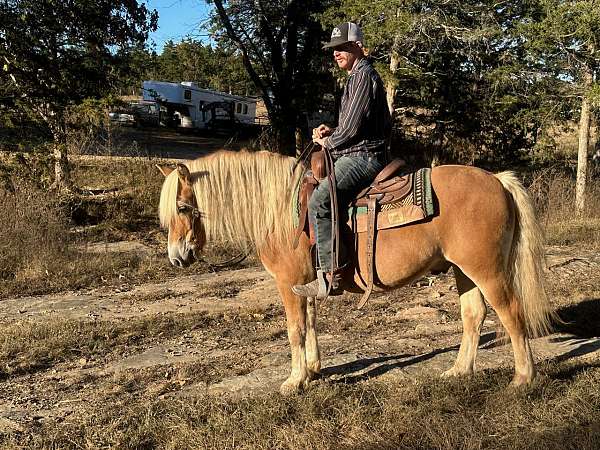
(352, 174)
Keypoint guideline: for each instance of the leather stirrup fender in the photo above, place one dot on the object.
(371, 230)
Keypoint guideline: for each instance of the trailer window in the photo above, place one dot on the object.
(245, 108)
(187, 94)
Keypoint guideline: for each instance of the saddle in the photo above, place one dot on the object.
(394, 198)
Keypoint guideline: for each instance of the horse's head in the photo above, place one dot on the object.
(179, 213)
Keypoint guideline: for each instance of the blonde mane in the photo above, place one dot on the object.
(245, 197)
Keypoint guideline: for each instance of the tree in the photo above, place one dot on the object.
(280, 44)
(565, 38)
(57, 53)
(217, 68)
(456, 68)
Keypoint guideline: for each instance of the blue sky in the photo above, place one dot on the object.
(178, 19)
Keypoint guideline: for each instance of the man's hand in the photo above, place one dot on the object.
(321, 131)
(318, 141)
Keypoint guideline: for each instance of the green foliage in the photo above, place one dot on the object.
(55, 54)
(217, 68)
(280, 46)
(594, 95)
(489, 75)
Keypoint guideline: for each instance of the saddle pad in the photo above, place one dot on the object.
(417, 205)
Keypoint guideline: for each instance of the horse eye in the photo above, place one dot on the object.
(182, 209)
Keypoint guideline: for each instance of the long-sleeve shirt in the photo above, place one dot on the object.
(364, 120)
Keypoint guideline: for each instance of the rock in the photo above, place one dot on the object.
(419, 313)
(424, 329)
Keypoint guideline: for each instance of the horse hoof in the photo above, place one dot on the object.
(454, 372)
(292, 386)
(521, 380)
(314, 367)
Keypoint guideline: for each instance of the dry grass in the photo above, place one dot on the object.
(553, 192)
(559, 411)
(32, 231)
(27, 347)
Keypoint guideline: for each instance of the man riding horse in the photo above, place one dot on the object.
(357, 146)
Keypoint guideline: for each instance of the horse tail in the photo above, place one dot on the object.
(526, 260)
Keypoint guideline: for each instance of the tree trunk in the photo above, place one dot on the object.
(390, 85)
(299, 142)
(62, 176)
(584, 137)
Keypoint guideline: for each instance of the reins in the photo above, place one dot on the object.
(335, 227)
(230, 262)
(304, 155)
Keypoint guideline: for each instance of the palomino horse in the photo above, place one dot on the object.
(484, 227)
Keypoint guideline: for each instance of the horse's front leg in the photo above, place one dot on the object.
(313, 357)
(295, 311)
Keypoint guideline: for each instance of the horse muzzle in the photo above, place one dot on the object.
(182, 255)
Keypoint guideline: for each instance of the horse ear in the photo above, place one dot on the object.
(165, 170)
(184, 173)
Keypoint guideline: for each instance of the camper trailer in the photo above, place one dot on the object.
(186, 105)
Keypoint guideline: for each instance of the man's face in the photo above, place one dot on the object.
(345, 55)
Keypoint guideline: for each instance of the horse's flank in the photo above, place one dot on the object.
(245, 197)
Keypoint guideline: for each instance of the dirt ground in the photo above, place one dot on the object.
(234, 339)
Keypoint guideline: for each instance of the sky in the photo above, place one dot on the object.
(178, 19)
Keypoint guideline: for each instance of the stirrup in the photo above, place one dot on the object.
(318, 288)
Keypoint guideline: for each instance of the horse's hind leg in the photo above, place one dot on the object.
(501, 297)
(473, 312)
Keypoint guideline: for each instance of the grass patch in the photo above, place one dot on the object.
(559, 411)
(553, 193)
(224, 289)
(574, 231)
(30, 347)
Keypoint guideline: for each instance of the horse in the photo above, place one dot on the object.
(484, 228)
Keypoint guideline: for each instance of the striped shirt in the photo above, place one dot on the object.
(364, 121)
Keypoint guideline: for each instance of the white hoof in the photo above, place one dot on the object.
(521, 380)
(293, 386)
(454, 372)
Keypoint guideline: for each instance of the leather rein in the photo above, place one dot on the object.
(335, 226)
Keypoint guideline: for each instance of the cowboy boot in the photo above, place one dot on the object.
(318, 288)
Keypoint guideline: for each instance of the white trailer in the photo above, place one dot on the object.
(191, 104)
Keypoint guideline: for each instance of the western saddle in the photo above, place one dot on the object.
(389, 187)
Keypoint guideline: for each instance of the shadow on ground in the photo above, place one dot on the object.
(581, 319)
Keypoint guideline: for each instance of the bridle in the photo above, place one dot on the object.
(195, 214)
